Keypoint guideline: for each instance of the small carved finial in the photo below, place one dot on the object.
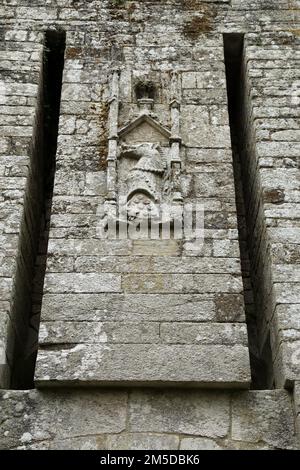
(145, 94)
(145, 104)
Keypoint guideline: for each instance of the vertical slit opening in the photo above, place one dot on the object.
(260, 351)
(37, 207)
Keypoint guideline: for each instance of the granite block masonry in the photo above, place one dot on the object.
(157, 332)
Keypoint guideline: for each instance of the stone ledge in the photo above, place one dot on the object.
(207, 366)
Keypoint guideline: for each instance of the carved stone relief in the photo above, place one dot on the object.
(144, 164)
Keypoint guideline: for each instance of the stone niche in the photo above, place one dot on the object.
(148, 312)
(144, 161)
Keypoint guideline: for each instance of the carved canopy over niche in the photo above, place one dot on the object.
(145, 128)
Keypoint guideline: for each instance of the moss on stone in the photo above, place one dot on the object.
(196, 26)
(201, 22)
(117, 3)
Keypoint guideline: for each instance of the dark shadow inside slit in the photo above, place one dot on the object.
(260, 353)
(37, 208)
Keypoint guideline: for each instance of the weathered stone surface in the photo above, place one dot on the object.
(196, 129)
(58, 332)
(95, 420)
(199, 443)
(89, 247)
(212, 333)
(136, 307)
(141, 441)
(108, 364)
(283, 288)
(31, 416)
(160, 291)
(155, 264)
(86, 283)
(156, 248)
(255, 418)
(287, 359)
(172, 283)
(166, 411)
(214, 185)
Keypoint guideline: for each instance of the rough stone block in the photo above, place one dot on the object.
(89, 247)
(207, 414)
(58, 332)
(85, 283)
(201, 333)
(287, 362)
(137, 307)
(172, 283)
(32, 416)
(264, 416)
(197, 130)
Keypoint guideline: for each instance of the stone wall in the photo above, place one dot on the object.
(274, 91)
(21, 184)
(122, 289)
(150, 313)
(147, 419)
